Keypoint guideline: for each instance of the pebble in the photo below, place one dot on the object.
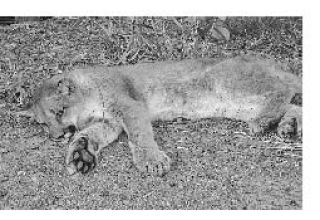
(71, 170)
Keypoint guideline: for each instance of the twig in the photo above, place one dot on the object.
(177, 23)
(22, 113)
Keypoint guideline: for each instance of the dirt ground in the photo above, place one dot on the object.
(216, 164)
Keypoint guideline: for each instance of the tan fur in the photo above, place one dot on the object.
(102, 101)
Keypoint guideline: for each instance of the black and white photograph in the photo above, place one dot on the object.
(151, 112)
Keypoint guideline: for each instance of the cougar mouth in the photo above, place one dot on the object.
(62, 133)
(70, 129)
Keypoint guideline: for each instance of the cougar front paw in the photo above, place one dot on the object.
(156, 164)
(79, 157)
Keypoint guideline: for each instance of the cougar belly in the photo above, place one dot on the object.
(193, 106)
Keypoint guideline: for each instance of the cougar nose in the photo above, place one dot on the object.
(70, 129)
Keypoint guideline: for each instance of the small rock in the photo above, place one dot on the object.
(20, 173)
(3, 193)
(3, 179)
(4, 150)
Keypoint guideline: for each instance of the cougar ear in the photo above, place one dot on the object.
(26, 111)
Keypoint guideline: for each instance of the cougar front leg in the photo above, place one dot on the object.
(83, 150)
(147, 156)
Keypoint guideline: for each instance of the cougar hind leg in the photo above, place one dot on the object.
(271, 114)
(291, 123)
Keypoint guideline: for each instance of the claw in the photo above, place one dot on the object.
(158, 166)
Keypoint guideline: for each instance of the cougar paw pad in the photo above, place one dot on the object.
(84, 161)
(80, 158)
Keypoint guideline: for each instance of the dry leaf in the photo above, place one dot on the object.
(220, 33)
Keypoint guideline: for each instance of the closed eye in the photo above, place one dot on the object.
(58, 114)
